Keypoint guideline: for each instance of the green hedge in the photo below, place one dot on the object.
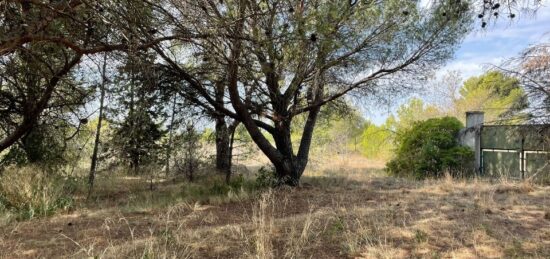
(429, 149)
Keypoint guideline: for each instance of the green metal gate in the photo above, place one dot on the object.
(517, 151)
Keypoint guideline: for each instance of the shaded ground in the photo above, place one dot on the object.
(338, 213)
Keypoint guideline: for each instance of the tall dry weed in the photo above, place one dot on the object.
(33, 192)
(299, 237)
(263, 223)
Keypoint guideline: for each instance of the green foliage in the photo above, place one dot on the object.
(266, 177)
(338, 126)
(48, 145)
(188, 155)
(411, 112)
(429, 149)
(208, 135)
(136, 139)
(498, 95)
(14, 156)
(140, 92)
(376, 142)
(44, 145)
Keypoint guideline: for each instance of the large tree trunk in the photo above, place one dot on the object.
(223, 152)
(288, 166)
(290, 169)
(287, 169)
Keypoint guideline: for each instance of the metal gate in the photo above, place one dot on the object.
(517, 151)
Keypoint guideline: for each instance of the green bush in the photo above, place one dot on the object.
(219, 187)
(266, 177)
(429, 149)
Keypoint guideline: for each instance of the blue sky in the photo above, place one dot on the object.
(498, 42)
(503, 40)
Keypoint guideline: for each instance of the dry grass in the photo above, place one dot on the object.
(263, 224)
(343, 210)
(32, 192)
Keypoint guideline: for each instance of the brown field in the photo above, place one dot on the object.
(349, 209)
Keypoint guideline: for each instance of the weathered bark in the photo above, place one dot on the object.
(223, 152)
(223, 156)
(307, 136)
(93, 167)
(225, 135)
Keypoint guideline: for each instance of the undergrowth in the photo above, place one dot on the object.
(30, 192)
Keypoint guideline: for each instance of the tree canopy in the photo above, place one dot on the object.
(499, 96)
(287, 58)
(262, 64)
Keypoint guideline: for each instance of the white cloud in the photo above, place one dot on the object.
(472, 66)
(484, 48)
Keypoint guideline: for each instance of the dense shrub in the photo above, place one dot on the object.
(266, 177)
(429, 149)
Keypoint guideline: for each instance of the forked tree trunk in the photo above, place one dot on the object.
(290, 168)
(225, 135)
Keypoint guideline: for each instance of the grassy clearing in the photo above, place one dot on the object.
(29, 192)
(131, 194)
(343, 210)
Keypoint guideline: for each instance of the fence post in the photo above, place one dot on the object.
(522, 159)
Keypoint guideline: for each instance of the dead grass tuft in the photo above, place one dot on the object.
(264, 226)
(512, 187)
